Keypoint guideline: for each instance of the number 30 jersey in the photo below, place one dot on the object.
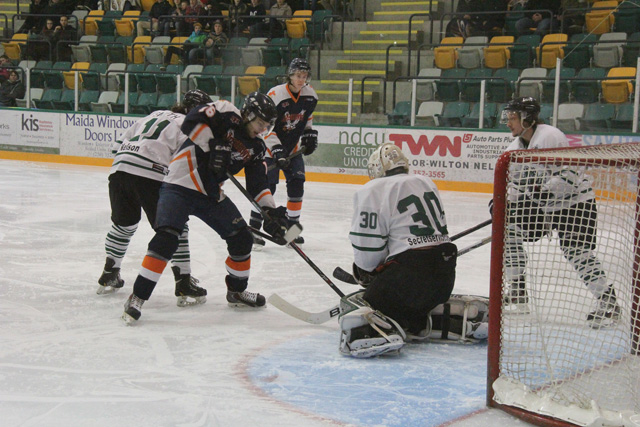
(394, 214)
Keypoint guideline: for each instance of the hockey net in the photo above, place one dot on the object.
(547, 364)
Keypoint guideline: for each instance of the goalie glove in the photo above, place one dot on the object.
(219, 158)
(363, 277)
(275, 221)
(280, 156)
(309, 141)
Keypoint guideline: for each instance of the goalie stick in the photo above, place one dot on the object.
(347, 277)
(313, 318)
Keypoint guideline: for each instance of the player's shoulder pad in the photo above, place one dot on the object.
(279, 93)
(308, 90)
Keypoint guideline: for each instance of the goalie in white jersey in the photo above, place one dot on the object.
(403, 256)
(142, 156)
(546, 198)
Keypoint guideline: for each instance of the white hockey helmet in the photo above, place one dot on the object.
(386, 158)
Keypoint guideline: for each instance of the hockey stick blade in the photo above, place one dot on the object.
(314, 318)
(292, 233)
(344, 276)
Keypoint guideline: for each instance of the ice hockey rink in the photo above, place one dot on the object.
(66, 358)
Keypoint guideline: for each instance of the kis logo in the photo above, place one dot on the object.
(30, 124)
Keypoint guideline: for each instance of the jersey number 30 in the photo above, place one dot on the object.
(431, 219)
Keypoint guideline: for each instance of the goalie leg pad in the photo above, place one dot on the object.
(461, 318)
(368, 333)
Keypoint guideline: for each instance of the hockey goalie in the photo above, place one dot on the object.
(403, 257)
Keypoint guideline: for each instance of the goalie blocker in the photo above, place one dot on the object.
(365, 332)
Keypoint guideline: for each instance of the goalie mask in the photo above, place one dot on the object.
(386, 160)
(527, 109)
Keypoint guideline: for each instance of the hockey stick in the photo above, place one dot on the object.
(470, 230)
(296, 154)
(347, 277)
(313, 318)
(293, 231)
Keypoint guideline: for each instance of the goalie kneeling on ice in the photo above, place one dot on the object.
(461, 318)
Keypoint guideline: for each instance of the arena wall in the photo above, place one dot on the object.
(458, 160)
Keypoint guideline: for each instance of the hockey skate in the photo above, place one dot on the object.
(258, 243)
(516, 299)
(110, 281)
(606, 313)
(132, 310)
(245, 299)
(187, 290)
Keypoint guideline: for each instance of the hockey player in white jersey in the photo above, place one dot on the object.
(142, 156)
(295, 102)
(402, 256)
(551, 198)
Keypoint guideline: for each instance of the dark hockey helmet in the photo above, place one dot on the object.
(195, 97)
(299, 64)
(258, 105)
(527, 107)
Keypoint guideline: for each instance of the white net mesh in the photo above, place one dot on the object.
(569, 326)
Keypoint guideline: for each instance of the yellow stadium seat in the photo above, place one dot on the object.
(124, 27)
(618, 91)
(498, 56)
(251, 82)
(601, 21)
(69, 76)
(147, 4)
(136, 50)
(547, 53)
(296, 29)
(13, 48)
(446, 55)
(90, 24)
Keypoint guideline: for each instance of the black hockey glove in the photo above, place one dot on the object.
(309, 141)
(280, 156)
(363, 277)
(219, 158)
(275, 221)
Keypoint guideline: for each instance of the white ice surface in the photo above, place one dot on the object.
(66, 358)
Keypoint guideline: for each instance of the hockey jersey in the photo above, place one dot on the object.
(295, 113)
(219, 120)
(565, 186)
(147, 147)
(394, 214)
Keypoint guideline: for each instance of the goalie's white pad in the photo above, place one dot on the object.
(462, 318)
(367, 333)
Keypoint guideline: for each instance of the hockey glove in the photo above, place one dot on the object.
(363, 277)
(219, 158)
(309, 141)
(275, 221)
(530, 219)
(280, 156)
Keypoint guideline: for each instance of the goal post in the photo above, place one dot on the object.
(551, 360)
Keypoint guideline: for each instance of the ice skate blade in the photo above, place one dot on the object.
(516, 309)
(185, 301)
(127, 319)
(242, 306)
(106, 290)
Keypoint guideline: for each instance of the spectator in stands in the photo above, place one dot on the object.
(541, 21)
(217, 39)
(279, 10)
(32, 22)
(573, 22)
(63, 36)
(55, 7)
(310, 4)
(5, 68)
(194, 41)
(237, 9)
(256, 25)
(44, 43)
(11, 89)
(194, 8)
(123, 5)
(211, 8)
(153, 25)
